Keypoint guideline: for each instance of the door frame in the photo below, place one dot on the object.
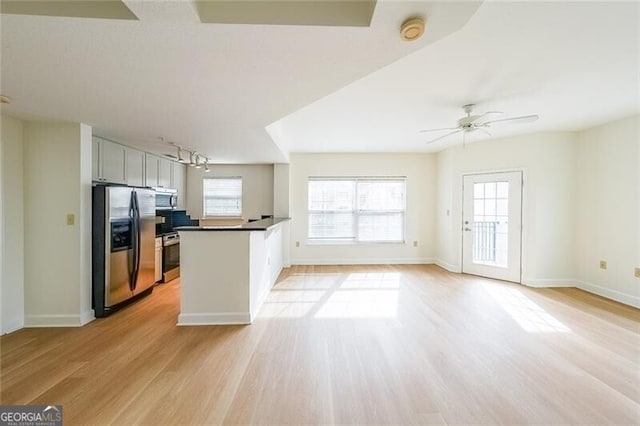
(522, 223)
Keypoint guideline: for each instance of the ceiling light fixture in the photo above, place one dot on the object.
(412, 29)
(192, 158)
(180, 159)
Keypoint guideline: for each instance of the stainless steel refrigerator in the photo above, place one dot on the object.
(123, 248)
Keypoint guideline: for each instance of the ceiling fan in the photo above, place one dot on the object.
(481, 122)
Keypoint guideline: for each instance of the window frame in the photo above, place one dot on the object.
(204, 197)
(357, 212)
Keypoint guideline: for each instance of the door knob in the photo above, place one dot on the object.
(467, 229)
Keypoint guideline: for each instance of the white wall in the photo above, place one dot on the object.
(548, 164)
(607, 225)
(420, 171)
(257, 187)
(57, 182)
(12, 225)
(84, 223)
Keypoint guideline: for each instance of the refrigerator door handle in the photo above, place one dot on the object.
(132, 264)
(137, 239)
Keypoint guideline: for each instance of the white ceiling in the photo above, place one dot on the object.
(210, 87)
(576, 64)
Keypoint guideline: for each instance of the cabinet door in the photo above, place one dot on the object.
(164, 173)
(151, 170)
(95, 160)
(113, 161)
(135, 167)
(180, 183)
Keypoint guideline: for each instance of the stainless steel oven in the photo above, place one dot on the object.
(170, 256)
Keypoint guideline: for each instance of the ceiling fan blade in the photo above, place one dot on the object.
(488, 113)
(444, 136)
(484, 131)
(513, 120)
(438, 130)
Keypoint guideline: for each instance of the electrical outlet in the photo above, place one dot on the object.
(415, 244)
(637, 272)
(603, 264)
(71, 219)
(297, 243)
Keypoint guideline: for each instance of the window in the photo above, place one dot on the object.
(222, 196)
(356, 209)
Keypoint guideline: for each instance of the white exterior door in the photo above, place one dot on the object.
(492, 225)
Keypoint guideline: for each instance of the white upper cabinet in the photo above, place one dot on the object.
(165, 171)
(108, 162)
(152, 165)
(135, 167)
(179, 183)
(115, 163)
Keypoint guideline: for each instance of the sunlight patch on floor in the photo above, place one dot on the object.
(529, 316)
(369, 280)
(358, 295)
(360, 304)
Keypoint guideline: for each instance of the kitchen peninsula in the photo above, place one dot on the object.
(227, 271)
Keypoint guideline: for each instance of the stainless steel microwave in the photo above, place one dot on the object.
(166, 199)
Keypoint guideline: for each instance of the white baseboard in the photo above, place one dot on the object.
(13, 325)
(56, 320)
(608, 293)
(550, 282)
(366, 261)
(448, 266)
(227, 318)
(87, 317)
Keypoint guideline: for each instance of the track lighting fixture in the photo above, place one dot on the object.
(191, 157)
(180, 159)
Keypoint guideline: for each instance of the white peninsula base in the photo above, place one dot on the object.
(226, 274)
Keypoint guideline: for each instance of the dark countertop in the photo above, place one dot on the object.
(259, 225)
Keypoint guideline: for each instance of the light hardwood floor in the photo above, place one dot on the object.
(345, 344)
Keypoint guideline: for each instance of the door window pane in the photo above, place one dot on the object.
(490, 238)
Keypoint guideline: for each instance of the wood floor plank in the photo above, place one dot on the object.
(375, 344)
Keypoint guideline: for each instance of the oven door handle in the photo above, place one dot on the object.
(170, 243)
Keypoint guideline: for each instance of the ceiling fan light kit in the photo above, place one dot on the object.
(472, 123)
(412, 29)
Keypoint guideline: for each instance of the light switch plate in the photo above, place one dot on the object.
(71, 219)
(637, 272)
(603, 264)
